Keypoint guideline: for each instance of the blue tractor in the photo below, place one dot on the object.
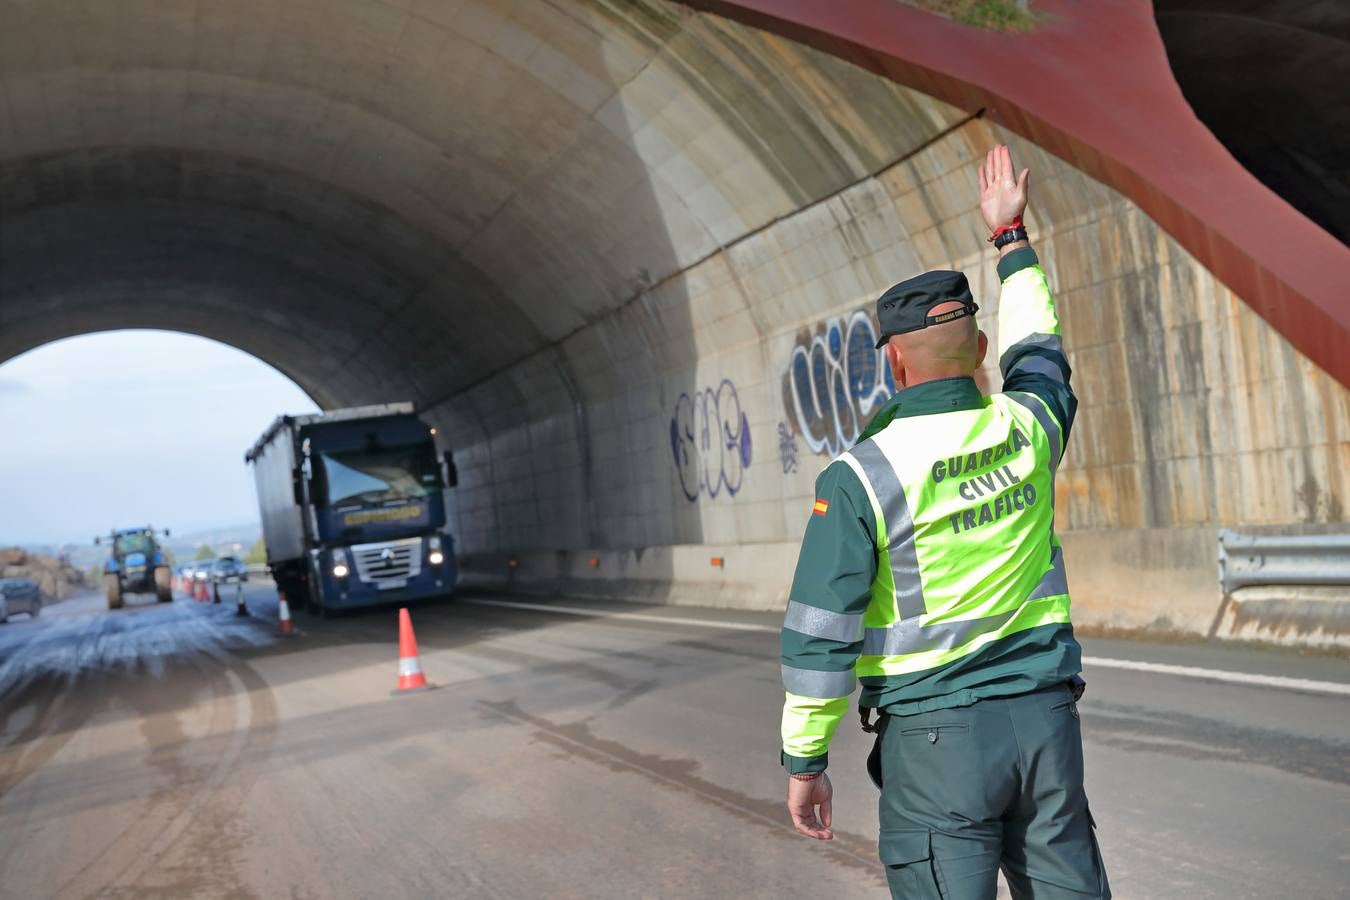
(136, 565)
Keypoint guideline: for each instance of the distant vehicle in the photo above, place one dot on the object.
(19, 595)
(136, 565)
(352, 510)
(229, 569)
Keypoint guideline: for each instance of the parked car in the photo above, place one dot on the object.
(229, 569)
(19, 595)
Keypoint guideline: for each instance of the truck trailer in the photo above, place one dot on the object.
(352, 507)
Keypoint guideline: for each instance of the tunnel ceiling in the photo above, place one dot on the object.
(396, 199)
(1269, 78)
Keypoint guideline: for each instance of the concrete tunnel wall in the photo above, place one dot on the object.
(576, 233)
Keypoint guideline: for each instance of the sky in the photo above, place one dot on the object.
(126, 428)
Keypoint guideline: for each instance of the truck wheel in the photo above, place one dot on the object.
(163, 584)
(113, 590)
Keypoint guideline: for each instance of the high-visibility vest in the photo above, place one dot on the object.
(953, 572)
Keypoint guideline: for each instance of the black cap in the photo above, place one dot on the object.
(905, 306)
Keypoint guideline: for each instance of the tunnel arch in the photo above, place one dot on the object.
(563, 229)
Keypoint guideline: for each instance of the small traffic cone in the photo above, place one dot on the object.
(284, 625)
(239, 609)
(410, 677)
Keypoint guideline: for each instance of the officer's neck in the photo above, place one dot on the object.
(913, 379)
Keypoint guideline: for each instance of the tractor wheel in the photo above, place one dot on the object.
(113, 589)
(163, 584)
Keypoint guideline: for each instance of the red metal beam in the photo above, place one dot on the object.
(1091, 84)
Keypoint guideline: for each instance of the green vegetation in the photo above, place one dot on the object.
(257, 555)
(204, 552)
(992, 15)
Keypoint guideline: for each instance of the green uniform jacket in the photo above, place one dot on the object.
(961, 595)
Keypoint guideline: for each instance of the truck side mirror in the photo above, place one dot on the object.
(451, 473)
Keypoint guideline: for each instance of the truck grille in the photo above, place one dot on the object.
(388, 560)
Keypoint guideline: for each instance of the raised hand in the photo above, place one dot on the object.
(1003, 197)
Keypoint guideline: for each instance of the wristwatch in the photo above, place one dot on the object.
(1009, 236)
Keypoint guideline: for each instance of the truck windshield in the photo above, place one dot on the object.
(375, 476)
(131, 543)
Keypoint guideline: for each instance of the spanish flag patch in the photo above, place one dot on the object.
(820, 507)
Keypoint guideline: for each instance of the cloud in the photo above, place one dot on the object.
(14, 386)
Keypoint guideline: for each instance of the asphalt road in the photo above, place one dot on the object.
(178, 751)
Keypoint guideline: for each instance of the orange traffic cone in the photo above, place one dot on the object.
(284, 625)
(410, 677)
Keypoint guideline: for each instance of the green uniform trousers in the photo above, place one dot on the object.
(998, 784)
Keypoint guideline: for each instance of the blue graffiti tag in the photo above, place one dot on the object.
(710, 439)
(836, 380)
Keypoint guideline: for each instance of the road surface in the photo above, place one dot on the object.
(178, 751)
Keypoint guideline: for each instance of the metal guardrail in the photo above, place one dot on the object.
(1247, 560)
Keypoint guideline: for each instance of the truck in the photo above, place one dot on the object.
(352, 507)
(136, 564)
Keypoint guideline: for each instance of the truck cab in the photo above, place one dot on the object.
(352, 507)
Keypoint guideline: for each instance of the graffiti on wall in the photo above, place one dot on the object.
(836, 380)
(787, 448)
(710, 439)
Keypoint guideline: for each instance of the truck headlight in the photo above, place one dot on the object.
(340, 569)
(340, 560)
(435, 557)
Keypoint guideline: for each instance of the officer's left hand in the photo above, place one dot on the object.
(803, 798)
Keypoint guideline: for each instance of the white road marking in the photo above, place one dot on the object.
(1271, 681)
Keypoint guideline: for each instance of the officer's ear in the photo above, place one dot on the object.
(896, 360)
(984, 349)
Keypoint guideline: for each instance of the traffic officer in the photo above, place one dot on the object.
(930, 570)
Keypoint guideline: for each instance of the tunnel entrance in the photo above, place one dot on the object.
(1268, 78)
(621, 254)
(133, 428)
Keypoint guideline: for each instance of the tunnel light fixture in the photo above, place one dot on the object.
(512, 563)
(433, 429)
(718, 562)
(593, 562)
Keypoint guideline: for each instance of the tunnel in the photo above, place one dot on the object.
(618, 253)
(1268, 77)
